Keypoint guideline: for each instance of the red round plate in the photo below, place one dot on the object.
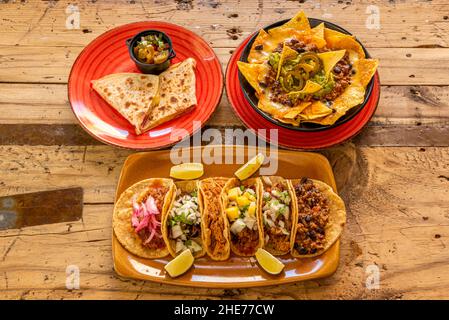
(292, 138)
(109, 54)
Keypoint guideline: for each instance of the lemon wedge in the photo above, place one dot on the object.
(187, 171)
(248, 169)
(180, 264)
(268, 262)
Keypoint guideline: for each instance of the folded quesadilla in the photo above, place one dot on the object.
(241, 203)
(278, 212)
(214, 222)
(181, 226)
(320, 219)
(138, 215)
(132, 94)
(176, 93)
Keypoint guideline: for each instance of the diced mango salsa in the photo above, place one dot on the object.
(250, 196)
(252, 209)
(232, 213)
(243, 201)
(234, 193)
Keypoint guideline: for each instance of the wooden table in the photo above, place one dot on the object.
(394, 176)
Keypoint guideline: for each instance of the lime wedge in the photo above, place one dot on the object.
(180, 264)
(248, 169)
(187, 171)
(268, 262)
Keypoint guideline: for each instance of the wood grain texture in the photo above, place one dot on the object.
(390, 225)
(411, 23)
(413, 66)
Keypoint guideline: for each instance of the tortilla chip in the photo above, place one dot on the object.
(286, 54)
(349, 43)
(318, 35)
(330, 59)
(295, 111)
(331, 32)
(298, 22)
(351, 97)
(253, 73)
(293, 122)
(364, 71)
(271, 107)
(316, 110)
(258, 56)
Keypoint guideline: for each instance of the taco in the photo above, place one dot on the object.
(214, 224)
(138, 215)
(240, 201)
(181, 227)
(278, 212)
(320, 219)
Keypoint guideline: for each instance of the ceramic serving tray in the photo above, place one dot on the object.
(237, 272)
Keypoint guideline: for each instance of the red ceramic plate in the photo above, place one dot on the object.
(109, 54)
(287, 137)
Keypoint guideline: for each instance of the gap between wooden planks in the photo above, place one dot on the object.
(400, 228)
(402, 23)
(48, 104)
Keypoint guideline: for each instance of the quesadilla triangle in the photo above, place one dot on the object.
(278, 212)
(181, 227)
(176, 93)
(138, 215)
(241, 203)
(214, 224)
(133, 95)
(320, 218)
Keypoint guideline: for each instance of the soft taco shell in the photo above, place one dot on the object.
(233, 182)
(270, 181)
(123, 209)
(184, 187)
(214, 224)
(337, 217)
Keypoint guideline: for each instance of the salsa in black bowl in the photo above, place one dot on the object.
(151, 51)
(251, 97)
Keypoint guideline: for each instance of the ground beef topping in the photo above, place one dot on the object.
(341, 74)
(313, 216)
(212, 217)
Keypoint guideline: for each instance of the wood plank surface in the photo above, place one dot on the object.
(389, 224)
(394, 176)
(413, 66)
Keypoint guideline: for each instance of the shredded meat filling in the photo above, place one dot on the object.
(158, 194)
(313, 216)
(213, 219)
(246, 240)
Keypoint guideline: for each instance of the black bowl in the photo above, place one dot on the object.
(250, 96)
(151, 68)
